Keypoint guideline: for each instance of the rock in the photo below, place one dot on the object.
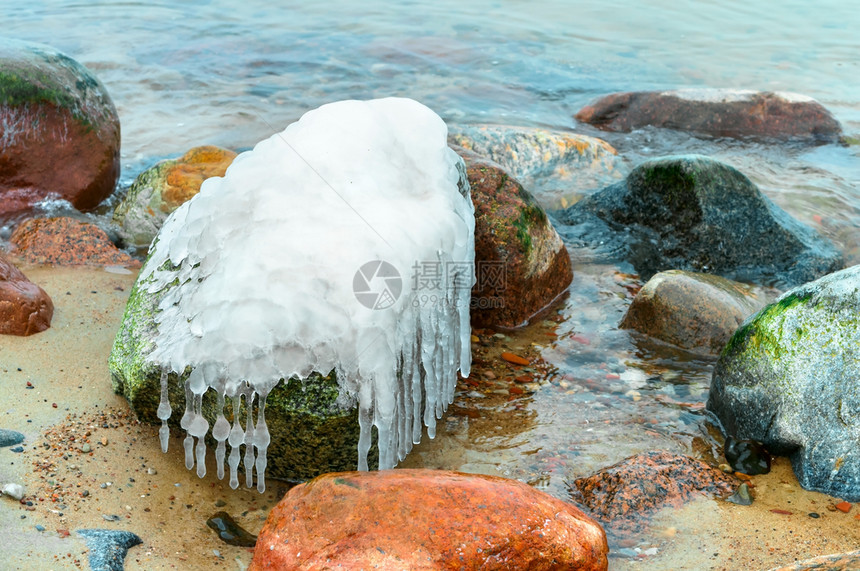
(557, 167)
(10, 437)
(25, 308)
(699, 312)
(521, 264)
(161, 189)
(742, 496)
(694, 213)
(716, 112)
(624, 494)
(839, 562)
(66, 242)
(59, 130)
(312, 431)
(108, 548)
(747, 456)
(426, 519)
(788, 379)
(229, 531)
(14, 491)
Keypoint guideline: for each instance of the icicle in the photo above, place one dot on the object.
(261, 441)
(186, 421)
(365, 424)
(220, 432)
(236, 438)
(164, 412)
(250, 438)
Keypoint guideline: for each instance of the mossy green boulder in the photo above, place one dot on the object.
(695, 213)
(312, 431)
(790, 378)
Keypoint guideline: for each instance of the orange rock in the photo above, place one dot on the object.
(25, 308)
(515, 359)
(844, 507)
(426, 519)
(67, 242)
(189, 171)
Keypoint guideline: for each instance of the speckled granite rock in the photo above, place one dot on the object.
(788, 379)
(699, 312)
(716, 112)
(59, 129)
(695, 213)
(624, 495)
(426, 519)
(557, 167)
(66, 242)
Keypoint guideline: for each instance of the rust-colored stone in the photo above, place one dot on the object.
(25, 308)
(696, 311)
(716, 112)
(66, 242)
(184, 177)
(521, 264)
(59, 130)
(624, 495)
(426, 519)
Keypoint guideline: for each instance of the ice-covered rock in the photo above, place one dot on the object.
(294, 262)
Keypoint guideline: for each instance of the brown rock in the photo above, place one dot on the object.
(66, 242)
(59, 130)
(25, 308)
(716, 112)
(623, 495)
(426, 519)
(839, 562)
(696, 311)
(521, 264)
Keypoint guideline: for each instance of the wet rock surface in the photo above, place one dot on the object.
(442, 520)
(716, 112)
(747, 456)
(25, 308)
(788, 379)
(838, 562)
(161, 189)
(557, 167)
(694, 213)
(108, 548)
(521, 264)
(624, 495)
(695, 311)
(66, 242)
(229, 531)
(59, 130)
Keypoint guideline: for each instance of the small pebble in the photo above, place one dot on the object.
(219, 503)
(17, 449)
(104, 441)
(86, 448)
(844, 507)
(151, 471)
(814, 515)
(742, 496)
(40, 527)
(14, 491)
(110, 517)
(10, 437)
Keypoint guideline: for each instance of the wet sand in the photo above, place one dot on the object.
(125, 473)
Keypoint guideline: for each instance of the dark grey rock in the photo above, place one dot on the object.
(788, 378)
(695, 213)
(741, 496)
(10, 437)
(108, 548)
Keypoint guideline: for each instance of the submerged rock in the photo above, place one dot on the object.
(65, 241)
(59, 130)
(625, 494)
(10, 437)
(788, 379)
(521, 264)
(695, 311)
(557, 167)
(695, 213)
(741, 496)
(716, 112)
(426, 519)
(25, 308)
(161, 189)
(108, 548)
(747, 456)
(229, 531)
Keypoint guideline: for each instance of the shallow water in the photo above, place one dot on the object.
(183, 75)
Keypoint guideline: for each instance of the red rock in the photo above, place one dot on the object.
(59, 127)
(844, 507)
(25, 308)
(716, 112)
(622, 496)
(521, 264)
(515, 359)
(66, 242)
(426, 519)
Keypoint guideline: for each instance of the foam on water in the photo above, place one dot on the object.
(255, 278)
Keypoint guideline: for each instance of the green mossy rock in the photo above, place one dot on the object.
(788, 378)
(311, 432)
